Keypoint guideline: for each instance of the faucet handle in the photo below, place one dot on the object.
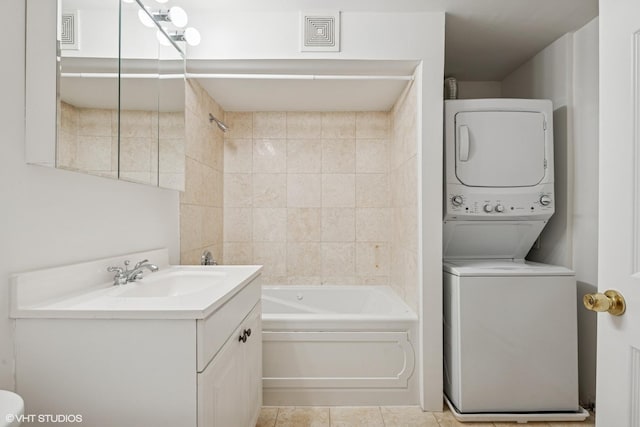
(140, 263)
(118, 270)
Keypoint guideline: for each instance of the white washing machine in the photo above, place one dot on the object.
(510, 326)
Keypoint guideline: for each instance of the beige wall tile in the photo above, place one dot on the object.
(171, 125)
(304, 125)
(270, 190)
(136, 124)
(269, 156)
(304, 155)
(372, 259)
(338, 259)
(338, 190)
(238, 225)
(190, 227)
(273, 256)
(304, 280)
(270, 125)
(190, 257)
(238, 190)
(94, 153)
(338, 155)
(338, 225)
(304, 224)
(240, 125)
(304, 190)
(372, 155)
(211, 226)
(269, 224)
(238, 156)
(338, 125)
(304, 259)
(96, 122)
(274, 280)
(372, 124)
(372, 224)
(238, 253)
(372, 191)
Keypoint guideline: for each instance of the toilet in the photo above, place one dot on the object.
(11, 409)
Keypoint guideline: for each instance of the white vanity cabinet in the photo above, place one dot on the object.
(158, 365)
(230, 388)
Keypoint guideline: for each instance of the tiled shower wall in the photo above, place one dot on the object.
(88, 142)
(201, 202)
(403, 179)
(306, 194)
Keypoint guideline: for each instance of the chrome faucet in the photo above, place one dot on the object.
(124, 275)
(207, 258)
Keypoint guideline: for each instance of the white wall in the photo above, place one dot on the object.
(548, 75)
(481, 89)
(567, 73)
(585, 195)
(51, 217)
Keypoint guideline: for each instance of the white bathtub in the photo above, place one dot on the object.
(337, 345)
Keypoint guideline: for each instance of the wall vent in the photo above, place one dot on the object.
(320, 32)
(69, 31)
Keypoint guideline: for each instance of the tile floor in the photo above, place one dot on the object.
(377, 416)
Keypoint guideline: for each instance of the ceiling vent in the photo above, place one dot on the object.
(69, 31)
(320, 31)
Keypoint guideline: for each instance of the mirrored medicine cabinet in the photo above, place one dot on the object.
(118, 105)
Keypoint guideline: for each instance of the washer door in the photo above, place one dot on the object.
(500, 148)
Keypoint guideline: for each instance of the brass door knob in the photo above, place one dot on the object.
(611, 301)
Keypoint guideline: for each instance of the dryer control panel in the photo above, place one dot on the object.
(464, 203)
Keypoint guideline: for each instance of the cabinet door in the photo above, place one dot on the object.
(221, 387)
(253, 365)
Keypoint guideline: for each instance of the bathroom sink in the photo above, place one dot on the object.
(171, 284)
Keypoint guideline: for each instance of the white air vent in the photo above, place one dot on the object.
(69, 31)
(320, 32)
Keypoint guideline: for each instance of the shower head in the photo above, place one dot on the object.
(223, 127)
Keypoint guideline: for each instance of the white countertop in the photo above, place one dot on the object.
(106, 301)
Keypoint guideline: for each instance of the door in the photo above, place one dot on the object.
(485, 138)
(618, 369)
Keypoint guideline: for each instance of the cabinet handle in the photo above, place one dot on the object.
(243, 338)
(248, 332)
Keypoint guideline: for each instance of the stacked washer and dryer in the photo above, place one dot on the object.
(510, 325)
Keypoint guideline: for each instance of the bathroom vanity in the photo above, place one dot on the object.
(181, 347)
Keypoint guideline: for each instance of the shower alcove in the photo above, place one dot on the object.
(316, 178)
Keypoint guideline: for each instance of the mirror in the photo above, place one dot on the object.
(121, 95)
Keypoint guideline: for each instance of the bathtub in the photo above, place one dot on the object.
(337, 345)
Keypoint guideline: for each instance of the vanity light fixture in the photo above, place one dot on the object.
(176, 15)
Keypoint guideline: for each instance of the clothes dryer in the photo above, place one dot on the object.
(510, 346)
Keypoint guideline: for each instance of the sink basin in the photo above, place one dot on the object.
(171, 284)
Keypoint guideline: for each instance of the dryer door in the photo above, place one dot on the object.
(500, 148)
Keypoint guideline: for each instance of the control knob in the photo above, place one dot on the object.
(488, 208)
(499, 208)
(457, 201)
(545, 200)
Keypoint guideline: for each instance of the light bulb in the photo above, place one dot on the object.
(192, 36)
(178, 16)
(162, 39)
(145, 19)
